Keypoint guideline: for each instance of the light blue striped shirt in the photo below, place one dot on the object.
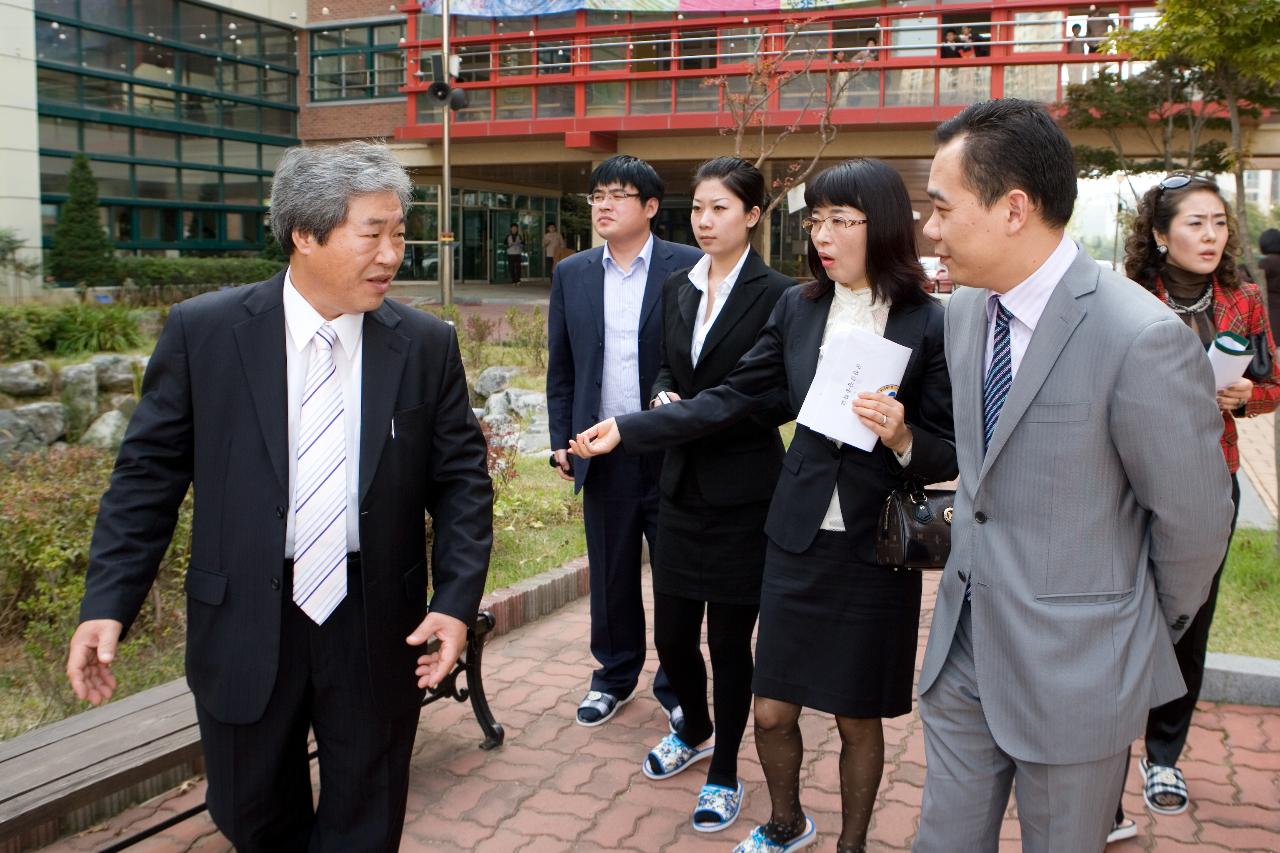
(623, 299)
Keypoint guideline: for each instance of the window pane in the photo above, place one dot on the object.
(553, 57)
(422, 222)
(279, 122)
(106, 139)
(863, 90)
(113, 179)
(562, 21)
(479, 101)
(468, 25)
(475, 62)
(199, 109)
(651, 52)
(200, 225)
(116, 11)
(278, 86)
(326, 77)
(57, 85)
(243, 226)
(606, 99)
(240, 116)
(388, 34)
(388, 74)
(150, 100)
(1032, 82)
(58, 132)
(200, 71)
(326, 40)
(239, 36)
(57, 42)
(108, 95)
(421, 262)
(915, 37)
(48, 220)
(271, 155)
(153, 18)
(155, 144)
(158, 223)
(650, 97)
(243, 155)
(806, 91)
(53, 174)
(199, 25)
(964, 85)
(119, 222)
(277, 46)
(57, 7)
(106, 53)
(199, 185)
(240, 79)
(157, 182)
(515, 102)
(910, 88)
(1036, 32)
(554, 101)
(516, 60)
(240, 189)
(200, 149)
(155, 62)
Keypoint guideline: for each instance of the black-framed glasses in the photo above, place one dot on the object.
(617, 196)
(813, 223)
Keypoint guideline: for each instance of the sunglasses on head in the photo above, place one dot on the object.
(1177, 182)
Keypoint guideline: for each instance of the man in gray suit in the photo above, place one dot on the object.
(1093, 506)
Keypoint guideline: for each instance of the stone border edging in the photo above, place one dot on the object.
(535, 597)
(1241, 680)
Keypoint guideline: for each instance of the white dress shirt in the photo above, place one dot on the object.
(698, 278)
(853, 309)
(1026, 302)
(301, 323)
(623, 299)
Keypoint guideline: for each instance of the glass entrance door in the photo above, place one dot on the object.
(475, 243)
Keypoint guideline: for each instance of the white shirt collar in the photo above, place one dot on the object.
(645, 254)
(698, 275)
(1027, 299)
(303, 321)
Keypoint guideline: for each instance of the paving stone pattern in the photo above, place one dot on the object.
(556, 786)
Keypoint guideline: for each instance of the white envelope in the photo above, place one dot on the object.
(850, 362)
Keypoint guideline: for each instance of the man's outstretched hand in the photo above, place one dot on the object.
(597, 440)
(93, 648)
(434, 666)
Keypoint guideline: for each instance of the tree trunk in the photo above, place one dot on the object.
(1237, 167)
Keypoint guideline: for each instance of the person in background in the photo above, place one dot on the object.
(715, 490)
(1269, 263)
(838, 632)
(514, 243)
(604, 349)
(1182, 249)
(552, 243)
(950, 45)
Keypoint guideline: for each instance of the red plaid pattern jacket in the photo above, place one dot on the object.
(1240, 310)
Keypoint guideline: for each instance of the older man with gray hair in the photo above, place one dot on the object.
(318, 423)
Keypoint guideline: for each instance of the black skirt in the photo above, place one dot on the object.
(835, 634)
(709, 553)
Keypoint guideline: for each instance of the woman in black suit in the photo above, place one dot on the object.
(715, 490)
(837, 632)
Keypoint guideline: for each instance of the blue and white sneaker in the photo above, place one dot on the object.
(758, 842)
(671, 756)
(717, 808)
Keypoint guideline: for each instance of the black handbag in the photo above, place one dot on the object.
(1260, 368)
(915, 528)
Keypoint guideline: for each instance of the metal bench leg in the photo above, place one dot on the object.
(493, 732)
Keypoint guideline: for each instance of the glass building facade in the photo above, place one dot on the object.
(183, 110)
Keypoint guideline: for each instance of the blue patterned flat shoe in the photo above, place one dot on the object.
(671, 756)
(758, 842)
(717, 808)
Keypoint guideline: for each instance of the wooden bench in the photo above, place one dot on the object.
(69, 775)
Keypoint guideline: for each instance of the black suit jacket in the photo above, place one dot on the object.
(739, 464)
(575, 340)
(214, 414)
(786, 356)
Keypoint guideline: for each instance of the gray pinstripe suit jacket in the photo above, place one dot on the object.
(1093, 525)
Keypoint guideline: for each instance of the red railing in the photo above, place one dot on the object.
(644, 74)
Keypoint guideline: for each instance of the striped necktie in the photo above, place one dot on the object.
(320, 487)
(999, 375)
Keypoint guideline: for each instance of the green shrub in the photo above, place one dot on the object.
(528, 333)
(476, 333)
(95, 328)
(164, 281)
(48, 506)
(81, 252)
(17, 339)
(448, 313)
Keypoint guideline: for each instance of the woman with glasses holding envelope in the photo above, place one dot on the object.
(1182, 248)
(837, 633)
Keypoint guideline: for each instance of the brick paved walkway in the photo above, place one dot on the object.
(557, 786)
(1258, 456)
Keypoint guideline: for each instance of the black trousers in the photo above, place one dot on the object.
(260, 792)
(1169, 724)
(619, 506)
(677, 634)
(513, 266)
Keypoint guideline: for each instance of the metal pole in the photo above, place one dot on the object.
(445, 260)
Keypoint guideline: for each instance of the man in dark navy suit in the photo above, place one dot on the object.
(605, 344)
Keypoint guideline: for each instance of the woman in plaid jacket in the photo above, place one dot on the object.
(1183, 248)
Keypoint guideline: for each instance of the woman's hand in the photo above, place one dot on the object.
(1235, 395)
(597, 440)
(671, 397)
(884, 416)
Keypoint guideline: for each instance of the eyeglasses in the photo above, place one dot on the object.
(812, 223)
(618, 196)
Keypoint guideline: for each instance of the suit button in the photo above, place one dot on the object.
(980, 517)
(275, 583)
(279, 512)
(964, 577)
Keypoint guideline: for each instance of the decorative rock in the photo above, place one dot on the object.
(46, 421)
(80, 396)
(107, 432)
(537, 436)
(26, 378)
(115, 372)
(15, 437)
(494, 379)
(125, 404)
(525, 404)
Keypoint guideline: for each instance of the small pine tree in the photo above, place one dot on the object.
(81, 250)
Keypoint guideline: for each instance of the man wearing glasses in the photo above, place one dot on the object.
(604, 336)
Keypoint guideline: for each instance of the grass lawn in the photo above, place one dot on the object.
(1248, 614)
(537, 524)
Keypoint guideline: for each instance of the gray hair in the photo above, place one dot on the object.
(314, 185)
